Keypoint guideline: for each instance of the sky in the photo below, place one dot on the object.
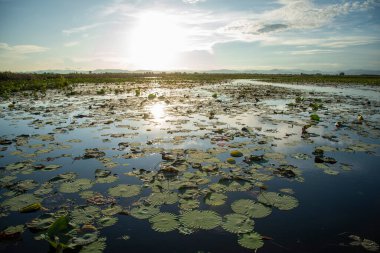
(194, 35)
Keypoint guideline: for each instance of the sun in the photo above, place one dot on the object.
(156, 41)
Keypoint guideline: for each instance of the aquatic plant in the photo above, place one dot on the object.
(18, 202)
(215, 199)
(201, 219)
(76, 185)
(251, 240)
(124, 190)
(236, 153)
(237, 223)
(250, 208)
(144, 211)
(281, 201)
(164, 222)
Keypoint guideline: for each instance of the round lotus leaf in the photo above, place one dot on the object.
(160, 198)
(235, 185)
(188, 204)
(85, 238)
(107, 221)
(20, 201)
(107, 179)
(281, 201)
(216, 187)
(112, 210)
(95, 247)
(41, 223)
(250, 208)
(236, 153)
(84, 215)
(251, 240)
(201, 219)
(215, 199)
(125, 190)
(237, 223)
(144, 212)
(164, 222)
(75, 186)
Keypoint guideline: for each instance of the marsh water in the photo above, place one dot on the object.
(173, 154)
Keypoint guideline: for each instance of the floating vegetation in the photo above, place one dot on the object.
(76, 185)
(200, 219)
(278, 200)
(251, 240)
(95, 247)
(179, 165)
(124, 190)
(365, 243)
(215, 199)
(236, 153)
(164, 222)
(237, 223)
(160, 198)
(144, 211)
(250, 208)
(19, 202)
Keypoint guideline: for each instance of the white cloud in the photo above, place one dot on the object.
(193, 1)
(71, 44)
(22, 49)
(80, 29)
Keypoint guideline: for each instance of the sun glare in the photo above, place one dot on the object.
(156, 41)
(158, 111)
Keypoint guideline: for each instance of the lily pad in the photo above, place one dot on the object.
(237, 223)
(201, 219)
(215, 199)
(159, 198)
(281, 201)
(76, 185)
(20, 201)
(144, 211)
(95, 247)
(164, 222)
(250, 208)
(125, 190)
(251, 241)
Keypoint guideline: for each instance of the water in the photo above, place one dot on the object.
(331, 207)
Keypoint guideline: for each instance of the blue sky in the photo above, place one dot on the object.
(189, 34)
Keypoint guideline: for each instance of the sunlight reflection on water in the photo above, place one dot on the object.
(158, 111)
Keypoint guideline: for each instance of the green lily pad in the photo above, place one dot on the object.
(144, 211)
(251, 241)
(201, 219)
(237, 223)
(215, 199)
(281, 201)
(250, 208)
(124, 190)
(20, 201)
(160, 198)
(95, 247)
(76, 185)
(236, 153)
(164, 222)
